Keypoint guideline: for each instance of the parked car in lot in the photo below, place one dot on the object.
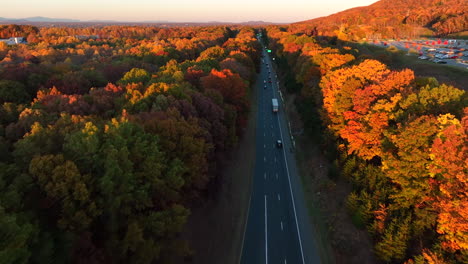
(423, 57)
(440, 61)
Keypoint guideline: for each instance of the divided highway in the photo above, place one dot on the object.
(278, 226)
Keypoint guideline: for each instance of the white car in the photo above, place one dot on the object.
(423, 57)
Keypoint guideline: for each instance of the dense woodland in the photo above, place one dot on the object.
(109, 135)
(399, 139)
(391, 19)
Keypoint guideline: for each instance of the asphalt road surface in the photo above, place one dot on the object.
(278, 226)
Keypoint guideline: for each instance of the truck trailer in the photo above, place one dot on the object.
(275, 105)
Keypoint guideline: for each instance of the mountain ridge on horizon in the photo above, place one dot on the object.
(67, 20)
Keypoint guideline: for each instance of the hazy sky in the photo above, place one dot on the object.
(178, 10)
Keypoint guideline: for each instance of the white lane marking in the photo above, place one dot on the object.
(281, 225)
(285, 261)
(279, 198)
(276, 175)
(264, 175)
(266, 232)
(291, 192)
(264, 158)
(264, 145)
(275, 159)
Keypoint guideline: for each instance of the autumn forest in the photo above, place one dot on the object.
(111, 135)
(399, 139)
(106, 143)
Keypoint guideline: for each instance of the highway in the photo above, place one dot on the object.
(278, 227)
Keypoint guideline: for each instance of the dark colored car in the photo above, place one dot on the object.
(279, 143)
(440, 61)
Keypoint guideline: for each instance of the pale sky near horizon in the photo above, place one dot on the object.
(283, 11)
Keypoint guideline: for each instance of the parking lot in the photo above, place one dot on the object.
(440, 51)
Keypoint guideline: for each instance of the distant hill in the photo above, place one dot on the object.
(394, 18)
(39, 19)
(47, 19)
(256, 23)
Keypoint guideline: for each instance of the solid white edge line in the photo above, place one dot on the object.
(266, 232)
(291, 192)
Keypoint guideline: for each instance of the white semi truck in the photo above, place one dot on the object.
(274, 103)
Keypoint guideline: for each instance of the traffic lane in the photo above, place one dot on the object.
(285, 244)
(293, 252)
(285, 205)
(304, 223)
(282, 236)
(308, 243)
(276, 240)
(253, 250)
(269, 156)
(282, 229)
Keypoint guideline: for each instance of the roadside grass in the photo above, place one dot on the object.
(319, 220)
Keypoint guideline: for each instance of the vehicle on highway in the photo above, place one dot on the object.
(275, 105)
(279, 143)
(264, 86)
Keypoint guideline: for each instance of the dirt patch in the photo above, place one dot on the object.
(215, 230)
(339, 240)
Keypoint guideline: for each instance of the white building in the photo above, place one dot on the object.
(14, 40)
